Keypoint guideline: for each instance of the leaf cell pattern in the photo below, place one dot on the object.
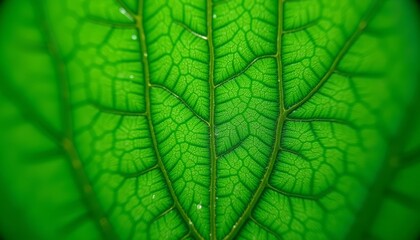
(217, 119)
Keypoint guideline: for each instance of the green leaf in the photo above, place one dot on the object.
(176, 119)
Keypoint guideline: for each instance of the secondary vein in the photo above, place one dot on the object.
(67, 139)
(283, 112)
(139, 18)
(278, 133)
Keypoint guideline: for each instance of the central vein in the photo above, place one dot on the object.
(212, 103)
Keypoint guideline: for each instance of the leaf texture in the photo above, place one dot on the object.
(180, 119)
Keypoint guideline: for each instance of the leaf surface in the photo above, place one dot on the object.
(209, 119)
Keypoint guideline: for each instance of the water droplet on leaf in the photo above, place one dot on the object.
(123, 11)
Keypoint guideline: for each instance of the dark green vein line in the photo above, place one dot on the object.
(140, 173)
(106, 23)
(195, 113)
(268, 230)
(139, 18)
(301, 28)
(358, 75)
(213, 154)
(85, 185)
(279, 129)
(233, 148)
(67, 141)
(28, 112)
(186, 236)
(74, 223)
(44, 156)
(410, 158)
(404, 198)
(301, 196)
(188, 29)
(324, 120)
(167, 211)
(349, 43)
(244, 70)
(109, 110)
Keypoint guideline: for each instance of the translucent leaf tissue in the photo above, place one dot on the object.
(216, 119)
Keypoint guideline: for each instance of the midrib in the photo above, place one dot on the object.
(212, 130)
